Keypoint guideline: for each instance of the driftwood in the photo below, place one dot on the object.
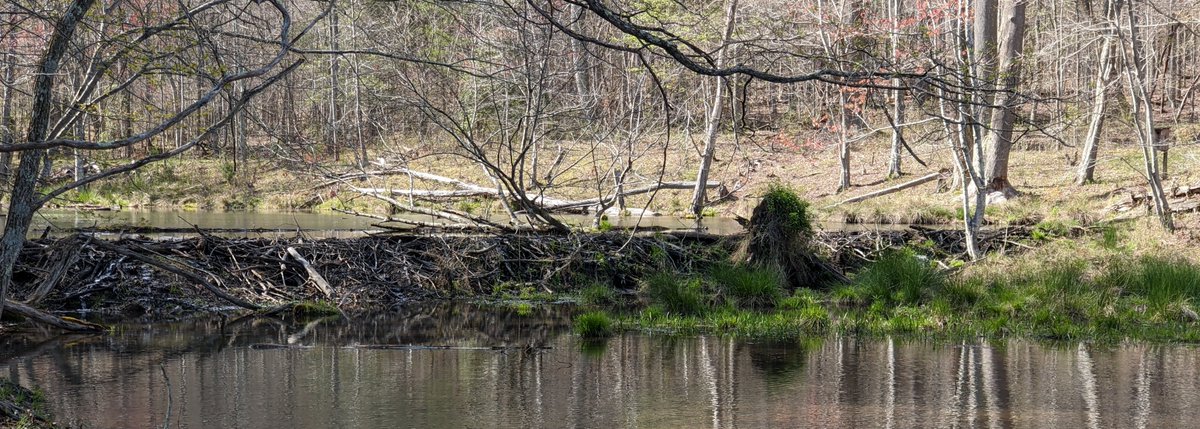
(897, 188)
(1181, 199)
(470, 190)
(320, 281)
(65, 323)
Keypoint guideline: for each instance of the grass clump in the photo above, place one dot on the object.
(748, 286)
(595, 324)
(779, 232)
(1161, 281)
(1050, 229)
(675, 294)
(788, 212)
(898, 277)
(597, 294)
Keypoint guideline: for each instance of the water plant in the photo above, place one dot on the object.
(595, 324)
(748, 286)
(675, 293)
(597, 294)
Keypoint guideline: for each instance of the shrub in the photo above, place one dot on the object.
(594, 324)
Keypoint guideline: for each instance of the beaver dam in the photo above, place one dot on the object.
(135, 277)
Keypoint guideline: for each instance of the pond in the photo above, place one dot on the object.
(289, 224)
(466, 365)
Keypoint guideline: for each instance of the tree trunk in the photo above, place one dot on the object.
(713, 125)
(1137, 73)
(358, 116)
(1104, 76)
(984, 48)
(894, 169)
(334, 89)
(24, 200)
(582, 68)
(6, 119)
(843, 143)
(999, 140)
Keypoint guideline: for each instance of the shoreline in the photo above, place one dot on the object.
(1018, 292)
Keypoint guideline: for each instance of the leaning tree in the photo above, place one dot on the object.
(233, 49)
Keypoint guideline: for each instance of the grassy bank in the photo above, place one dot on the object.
(22, 408)
(1104, 286)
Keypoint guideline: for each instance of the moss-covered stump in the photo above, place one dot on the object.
(778, 237)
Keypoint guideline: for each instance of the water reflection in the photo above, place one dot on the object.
(217, 379)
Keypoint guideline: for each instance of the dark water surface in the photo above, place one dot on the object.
(507, 367)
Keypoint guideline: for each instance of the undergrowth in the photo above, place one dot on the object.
(1111, 298)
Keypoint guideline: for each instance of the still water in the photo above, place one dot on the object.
(312, 224)
(463, 366)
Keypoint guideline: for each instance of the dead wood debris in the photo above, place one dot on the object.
(140, 277)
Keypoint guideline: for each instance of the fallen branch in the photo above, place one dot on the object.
(909, 184)
(315, 275)
(548, 203)
(66, 323)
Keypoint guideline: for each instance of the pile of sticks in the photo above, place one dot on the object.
(852, 249)
(136, 277)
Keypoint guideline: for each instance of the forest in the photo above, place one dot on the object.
(779, 183)
(1042, 119)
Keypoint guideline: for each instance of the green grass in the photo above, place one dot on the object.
(748, 286)
(595, 324)
(898, 277)
(1050, 229)
(1101, 299)
(597, 294)
(676, 294)
(35, 413)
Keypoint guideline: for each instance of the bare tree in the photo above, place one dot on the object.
(44, 131)
(713, 121)
(1138, 77)
(999, 140)
(1105, 65)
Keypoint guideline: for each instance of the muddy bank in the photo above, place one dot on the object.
(145, 278)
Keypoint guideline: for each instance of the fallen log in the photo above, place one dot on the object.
(909, 184)
(65, 323)
(313, 274)
(546, 202)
